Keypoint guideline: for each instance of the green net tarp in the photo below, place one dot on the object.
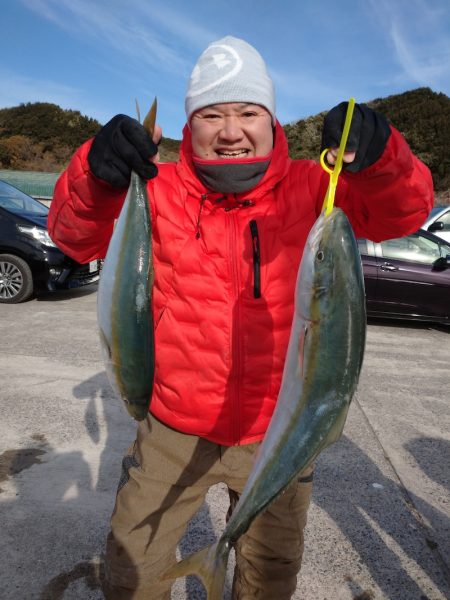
(35, 184)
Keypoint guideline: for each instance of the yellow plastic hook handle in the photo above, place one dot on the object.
(335, 171)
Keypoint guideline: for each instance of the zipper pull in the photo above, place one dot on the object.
(197, 227)
(256, 259)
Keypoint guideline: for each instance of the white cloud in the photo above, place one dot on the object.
(147, 34)
(419, 34)
(427, 68)
(179, 25)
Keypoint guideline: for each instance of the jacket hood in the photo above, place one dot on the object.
(277, 170)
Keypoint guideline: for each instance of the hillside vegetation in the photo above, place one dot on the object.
(421, 115)
(42, 137)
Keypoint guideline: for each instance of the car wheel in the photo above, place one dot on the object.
(16, 279)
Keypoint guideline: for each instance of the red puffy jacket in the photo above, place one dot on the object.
(220, 348)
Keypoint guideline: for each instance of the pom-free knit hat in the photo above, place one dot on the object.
(229, 70)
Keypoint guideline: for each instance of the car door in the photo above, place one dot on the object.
(8, 232)
(408, 283)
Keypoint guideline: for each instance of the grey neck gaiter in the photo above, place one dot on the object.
(231, 176)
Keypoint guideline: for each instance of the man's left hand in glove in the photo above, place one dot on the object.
(368, 136)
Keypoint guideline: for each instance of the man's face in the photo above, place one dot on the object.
(231, 130)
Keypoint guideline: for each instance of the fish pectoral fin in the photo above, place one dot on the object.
(301, 350)
(210, 565)
(105, 344)
(337, 429)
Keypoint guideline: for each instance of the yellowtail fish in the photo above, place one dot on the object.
(124, 303)
(320, 376)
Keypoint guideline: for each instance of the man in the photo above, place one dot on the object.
(223, 315)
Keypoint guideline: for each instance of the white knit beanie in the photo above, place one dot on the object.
(229, 70)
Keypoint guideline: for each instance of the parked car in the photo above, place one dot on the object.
(29, 260)
(438, 222)
(408, 277)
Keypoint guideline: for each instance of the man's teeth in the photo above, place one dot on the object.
(236, 154)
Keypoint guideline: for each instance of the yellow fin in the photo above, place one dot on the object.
(209, 564)
(150, 119)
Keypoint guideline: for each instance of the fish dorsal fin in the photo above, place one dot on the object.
(138, 110)
(150, 117)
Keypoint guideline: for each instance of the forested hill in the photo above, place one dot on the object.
(42, 136)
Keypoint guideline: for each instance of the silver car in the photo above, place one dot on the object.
(438, 222)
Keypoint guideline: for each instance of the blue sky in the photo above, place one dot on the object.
(97, 56)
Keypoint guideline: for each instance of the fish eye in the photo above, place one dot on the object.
(320, 255)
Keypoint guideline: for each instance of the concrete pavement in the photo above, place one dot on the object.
(379, 525)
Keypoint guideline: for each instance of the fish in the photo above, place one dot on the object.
(124, 299)
(320, 376)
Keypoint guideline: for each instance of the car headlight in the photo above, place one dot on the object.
(39, 234)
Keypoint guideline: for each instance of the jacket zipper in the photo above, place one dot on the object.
(235, 332)
(256, 260)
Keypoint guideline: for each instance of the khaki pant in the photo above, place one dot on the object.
(165, 478)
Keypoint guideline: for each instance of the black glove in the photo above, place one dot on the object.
(368, 136)
(121, 146)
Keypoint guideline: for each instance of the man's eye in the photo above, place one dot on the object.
(249, 114)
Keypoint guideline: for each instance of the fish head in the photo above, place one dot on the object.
(329, 252)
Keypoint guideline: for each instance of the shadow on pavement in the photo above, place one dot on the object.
(366, 506)
(362, 511)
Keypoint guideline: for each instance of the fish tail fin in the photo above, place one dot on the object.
(210, 565)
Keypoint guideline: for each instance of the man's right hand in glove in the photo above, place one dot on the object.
(121, 146)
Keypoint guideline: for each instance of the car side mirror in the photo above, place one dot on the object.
(441, 263)
(436, 226)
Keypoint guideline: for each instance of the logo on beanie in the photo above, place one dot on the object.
(218, 64)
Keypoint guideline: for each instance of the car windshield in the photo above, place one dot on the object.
(362, 246)
(435, 211)
(445, 218)
(20, 204)
(444, 249)
(412, 247)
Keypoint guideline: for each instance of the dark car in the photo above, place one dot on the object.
(29, 259)
(408, 277)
